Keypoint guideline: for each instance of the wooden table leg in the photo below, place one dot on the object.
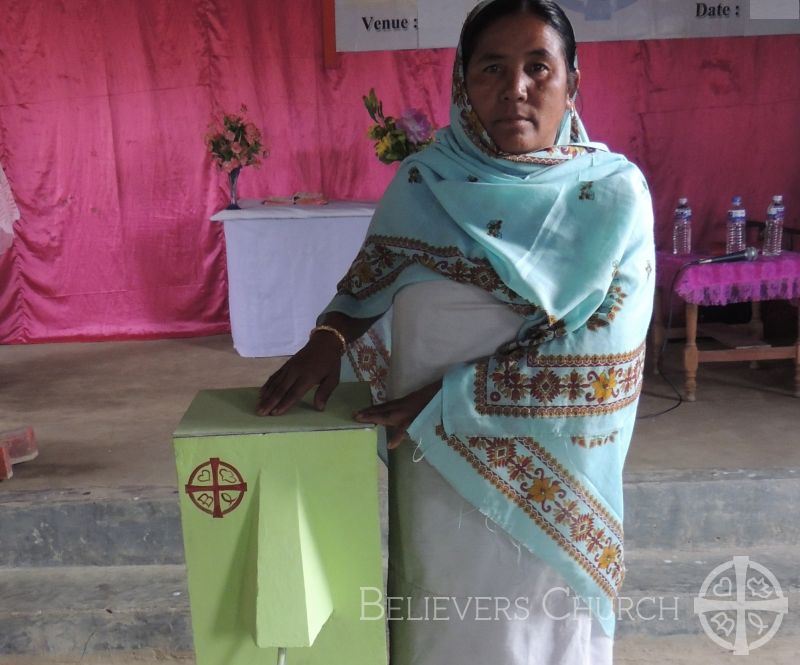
(756, 326)
(690, 352)
(656, 330)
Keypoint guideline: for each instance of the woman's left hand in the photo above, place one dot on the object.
(399, 413)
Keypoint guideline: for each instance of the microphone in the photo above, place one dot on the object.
(747, 254)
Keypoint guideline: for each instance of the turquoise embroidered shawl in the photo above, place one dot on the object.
(534, 436)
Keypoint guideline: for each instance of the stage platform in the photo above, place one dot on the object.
(91, 562)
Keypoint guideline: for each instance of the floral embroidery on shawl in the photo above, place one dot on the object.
(594, 441)
(536, 335)
(611, 306)
(527, 385)
(532, 479)
(369, 358)
(382, 258)
(586, 193)
(414, 176)
(494, 227)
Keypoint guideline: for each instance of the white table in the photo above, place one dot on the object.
(9, 213)
(284, 263)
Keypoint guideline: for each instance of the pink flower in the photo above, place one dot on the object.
(229, 135)
(230, 165)
(236, 148)
(416, 125)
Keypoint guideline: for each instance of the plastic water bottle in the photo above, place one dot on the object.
(737, 221)
(773, 231)
(682, 228)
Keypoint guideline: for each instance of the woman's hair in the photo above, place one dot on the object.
(545, 10)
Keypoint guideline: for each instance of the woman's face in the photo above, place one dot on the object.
(517, 83)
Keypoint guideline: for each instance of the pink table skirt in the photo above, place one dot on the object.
(767, 278)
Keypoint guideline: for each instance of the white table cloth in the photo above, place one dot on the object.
(284, 263)
(9, 213)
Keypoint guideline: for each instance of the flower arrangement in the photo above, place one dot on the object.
(234, 142)
(397, 138)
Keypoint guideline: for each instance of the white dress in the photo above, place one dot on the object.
(470, 595)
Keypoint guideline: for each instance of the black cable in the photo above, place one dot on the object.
(660, 363)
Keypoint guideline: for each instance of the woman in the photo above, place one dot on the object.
(516, 259)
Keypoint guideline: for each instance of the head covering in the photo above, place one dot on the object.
(563, 236)
(471, 134)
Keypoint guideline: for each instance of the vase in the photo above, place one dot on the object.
(233, 178)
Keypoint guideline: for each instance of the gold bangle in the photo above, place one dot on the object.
(333, 330)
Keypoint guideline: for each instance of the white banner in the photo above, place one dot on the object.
(375, 25)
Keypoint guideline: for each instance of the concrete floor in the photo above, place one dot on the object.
(677, 650)
(104, 413)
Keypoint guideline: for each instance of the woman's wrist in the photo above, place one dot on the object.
(331, 332)
(350, 328)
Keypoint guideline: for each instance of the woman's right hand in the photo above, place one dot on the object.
(317, 363)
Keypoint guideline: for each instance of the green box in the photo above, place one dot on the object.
(281, 530)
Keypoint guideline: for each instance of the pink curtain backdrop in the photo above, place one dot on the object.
(103, 106)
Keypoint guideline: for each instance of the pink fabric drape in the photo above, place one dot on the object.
(103, 107)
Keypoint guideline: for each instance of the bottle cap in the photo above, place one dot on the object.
(737, 200)
(683, 201)
(778, 198)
